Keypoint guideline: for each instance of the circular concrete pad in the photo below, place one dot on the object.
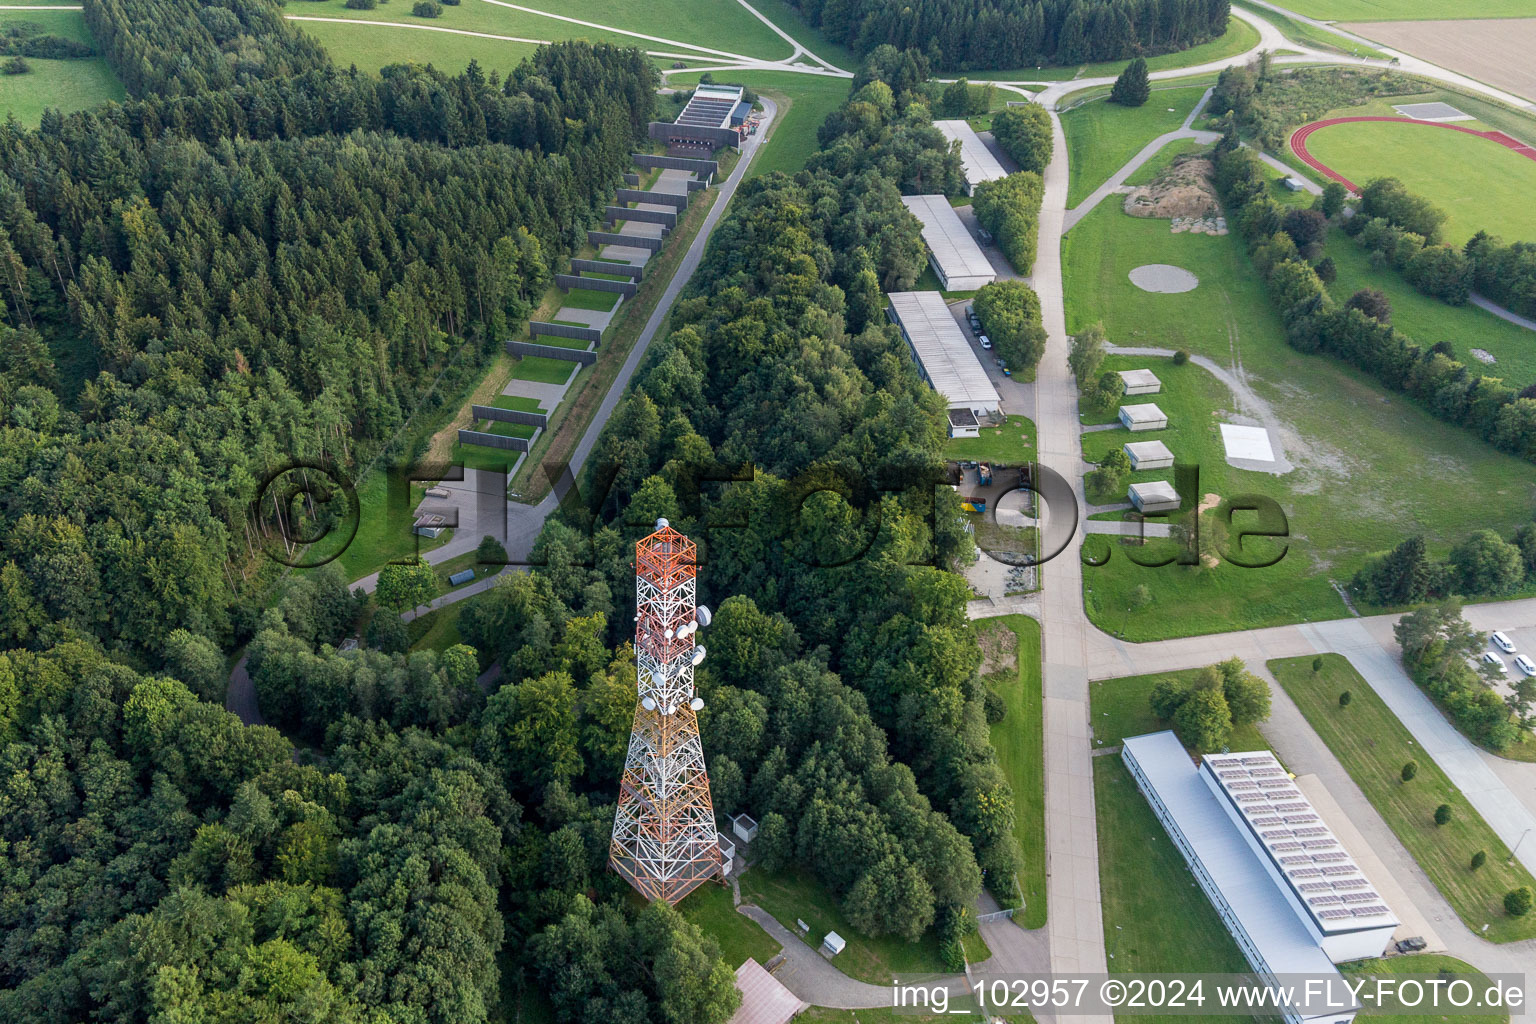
(1163, 278)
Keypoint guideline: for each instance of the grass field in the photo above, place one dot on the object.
(1102, 136)
(1373, 746)
(488, 18)
(794, 895)
(740, 937)
(1020, 744)
(1156, 920)
(1477, 182)
(384, 534)
(1240, 37)
(1311, 35)
(588, 298)
(66, 85)
(1408, 10)
(1119, 708)
(437, 630)
(1343, 500)
(542, 370)
(1012, 443)
(375, 46)
(804, 103)
(1422, 965)
(1428, 320)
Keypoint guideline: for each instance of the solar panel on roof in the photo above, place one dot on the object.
(1324, 901)
(1296, 860)
(1335, 914)
(1304, 872)
(1371, 911)
(1359, 897)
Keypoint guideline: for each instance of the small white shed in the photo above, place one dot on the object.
(1140, 382)
(727, 852)
(1143, 417)
(745, 827)
(1148, 455)
(833, 944)
(1155, 496)
(963, 423)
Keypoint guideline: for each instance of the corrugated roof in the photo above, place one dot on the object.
(941, 347)
(953, 248)
(980, 165)
(1257, 903)
(1322, 874)
(764, 999)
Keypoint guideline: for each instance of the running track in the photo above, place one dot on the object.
(1299, 142)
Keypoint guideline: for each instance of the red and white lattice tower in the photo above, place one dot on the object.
(664, 838)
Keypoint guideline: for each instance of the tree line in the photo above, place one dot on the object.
(1449, 389)
(1009, 208)
(1439, 649)
(963, 35)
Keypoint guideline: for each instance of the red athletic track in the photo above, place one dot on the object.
(1299, 142)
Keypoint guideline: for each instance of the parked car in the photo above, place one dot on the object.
(986, 342)
(1502, 642)
(1489, 658)
(1525, 665)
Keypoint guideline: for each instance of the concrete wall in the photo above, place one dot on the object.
(630, 178)
(676, 200)
(666, 218)
(587, 334)
(511, 444)
(676, 163)
(662, 131)
(490, 412)
(628, 270)
(633, 241)
(697, 184)
(574, 355)
(596, 284)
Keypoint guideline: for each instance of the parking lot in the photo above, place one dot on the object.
(1524, 640)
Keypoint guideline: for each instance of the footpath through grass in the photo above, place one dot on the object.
(1019, 740)
(1480, 184)
(1310, 35)
(1102, 136)
(1352, 443)
(1373, 746)
(1156, 919)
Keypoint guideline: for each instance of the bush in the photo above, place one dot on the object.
(1181, 357)
(1479, 859)
(1086, 353)
(1327, 271)
(994, 705)
(1010, 209)
(1010, 315)
(1518, 902)
(1204, 721)
(1109, 478)
(362, 5)
(1442, 273)
(388, 634)
(16, 66)
(1134, 87)
(427, 9)
(1025, 134)
(1443, 814)
(1345, 698)
(1373, 302)
(1410, 769)
(490, 551)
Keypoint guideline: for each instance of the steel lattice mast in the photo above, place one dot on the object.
(664, 839)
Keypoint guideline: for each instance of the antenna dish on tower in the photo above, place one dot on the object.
(704, 617)
(698, 655)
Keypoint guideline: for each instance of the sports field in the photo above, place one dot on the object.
(1407, 10)
(1479, 183)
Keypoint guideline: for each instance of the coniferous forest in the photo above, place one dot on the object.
(963, 35)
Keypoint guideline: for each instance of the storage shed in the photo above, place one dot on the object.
(1143, 417)
(833, 943)
(963, 423)
(1148, 455)
(744, 827)
(1155, 496)
(462, 576)
(1140, 382)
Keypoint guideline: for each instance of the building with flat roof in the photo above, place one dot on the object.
(963, 423)
(944, 356)
(1273, 938)
(979, 163)
(1153, 496)
(958, 261)
(1342, 911)
(1140, 382)
(1143, 417)
(704, 124)
(1148, 455)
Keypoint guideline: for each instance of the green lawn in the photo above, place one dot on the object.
(437, 630)
(722, 26)
(1477, 182)
(1344, 500)
(588, 298)
(1408, 10)
(1310, 35)
(804, 103)
(1020, 744)
(1240, 37)
(68, 24)
(793, 22)
(516, 403)
(1428, 320)
(542, 370)
(1156, 920)
(1425, 965)
(372, 47)
(384, 535)
(794, 895)
(1011, 444)
(740, 937)
(1373, 746)
(1102, 136)
(504, 429)
(1119, 708)
(66, 85)
(491, 19)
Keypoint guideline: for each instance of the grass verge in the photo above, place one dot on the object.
(1020, 744)
(1373, 746)
(1119, 708)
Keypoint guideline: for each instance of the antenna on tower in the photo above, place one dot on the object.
(664, 838)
